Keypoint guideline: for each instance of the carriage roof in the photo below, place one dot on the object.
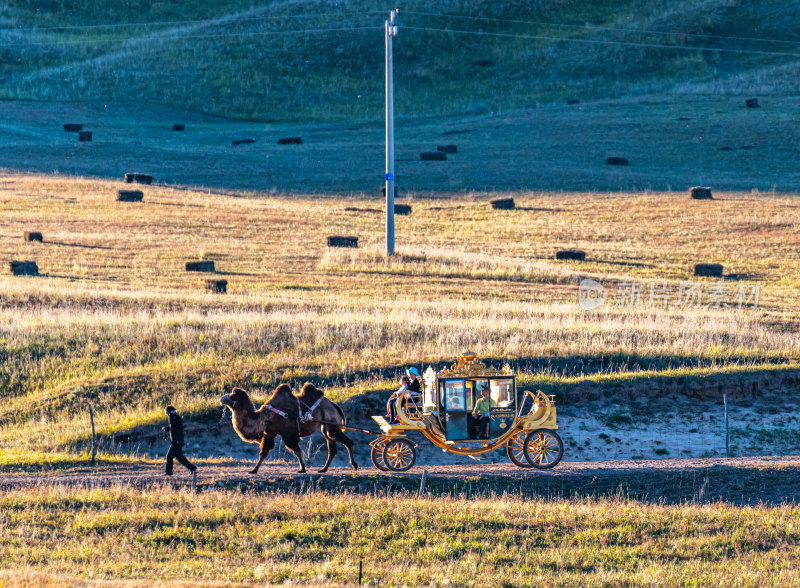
(467, 366)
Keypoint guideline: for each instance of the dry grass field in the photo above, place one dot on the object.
(53, 535)
(115, 320)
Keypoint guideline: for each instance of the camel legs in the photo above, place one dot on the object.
(267, 443)
(292, 442)
(333, 434)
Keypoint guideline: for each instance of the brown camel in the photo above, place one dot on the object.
(302, 418)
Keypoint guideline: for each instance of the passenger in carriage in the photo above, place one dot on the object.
(409, 388)
(481, 414)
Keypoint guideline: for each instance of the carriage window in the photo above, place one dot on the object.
(454, 395)
(503, 392)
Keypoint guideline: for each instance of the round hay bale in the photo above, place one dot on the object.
(73, 127)
(711, 270)
(340, 241)
(200, 266)
(433, 156)
(616, 161)
(177, 127)
(130, 196)
(217, 286)
(574, 254)
(447, 148)
(573, 101)
(138, 178)
(85, 136)
(24, 268)
(502, 203)
(243, 141)
(402, 209)
(383, 190)
(700, 193)
(32, 236)
(752, 103)
(290, 141)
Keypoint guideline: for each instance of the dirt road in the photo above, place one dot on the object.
(747, 480)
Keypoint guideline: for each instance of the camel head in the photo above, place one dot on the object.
(237, 399)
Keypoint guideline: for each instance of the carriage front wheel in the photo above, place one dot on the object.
(399, 454)
(543, 448)
(377, 454)
(515, 447)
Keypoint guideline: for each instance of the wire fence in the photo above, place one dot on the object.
(727, 426)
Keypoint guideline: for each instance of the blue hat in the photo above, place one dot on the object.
(412, 370)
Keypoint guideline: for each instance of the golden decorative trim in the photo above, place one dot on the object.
(469, 366)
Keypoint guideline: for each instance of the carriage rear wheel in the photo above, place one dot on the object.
(399, 454)
(515, 447)
(377, 455)
(543, 448)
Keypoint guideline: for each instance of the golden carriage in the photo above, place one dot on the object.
(443, 414)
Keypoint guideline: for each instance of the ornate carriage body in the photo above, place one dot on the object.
(445, 416)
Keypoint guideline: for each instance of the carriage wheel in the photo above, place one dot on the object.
(515, 447)
(399, 454)
(377, 455)
(543, 448)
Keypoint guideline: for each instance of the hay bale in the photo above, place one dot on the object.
(574, 254)
(290, 141)
(616, 161)
(200, 266)
(573, 101)
(447, 148)
(129, 196)
(339, 241)
(433, 156)
(138, 178)
(217, 286)
(24, 268)
(85, 136)
(177, 127)
(402, 209)
(752, 103)
(383, 190)
(73, 127)
(243, 141)
(32, 236)
(502, 203)
(700, 193)
(712, 270)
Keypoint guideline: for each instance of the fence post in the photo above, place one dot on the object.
(727, 429)
(94, 444)
(422, 482)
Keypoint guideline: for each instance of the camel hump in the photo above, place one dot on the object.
(283, 399)
(310, 392)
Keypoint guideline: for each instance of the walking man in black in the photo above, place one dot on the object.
(175, 429)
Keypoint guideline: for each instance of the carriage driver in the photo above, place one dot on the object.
(409, 388)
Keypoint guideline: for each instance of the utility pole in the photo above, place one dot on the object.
(391, 31)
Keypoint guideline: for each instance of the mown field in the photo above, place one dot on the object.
(115, 321)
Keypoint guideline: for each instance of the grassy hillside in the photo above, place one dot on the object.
(116, 320)
(311, 61)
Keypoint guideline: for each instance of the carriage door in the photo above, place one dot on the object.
(504, 403)
(455, 409)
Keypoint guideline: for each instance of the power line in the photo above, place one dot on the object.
(599, 28)
(603, 42)
(179, 37)
(209, 21)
